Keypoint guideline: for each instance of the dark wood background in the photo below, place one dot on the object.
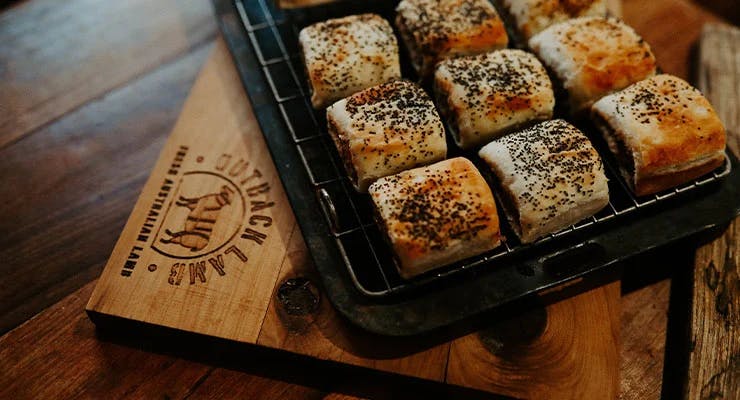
(89, 92)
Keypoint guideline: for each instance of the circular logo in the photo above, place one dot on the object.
(205, 213)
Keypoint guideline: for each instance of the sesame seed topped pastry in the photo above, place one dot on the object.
(550, 176)
(434, 30)
(533, 16)
(384, 130)
(436, 215)
(345, 55)
(662, 131)
(488, 95)
(593, 57)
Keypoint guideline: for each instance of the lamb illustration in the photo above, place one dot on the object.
(199, 223)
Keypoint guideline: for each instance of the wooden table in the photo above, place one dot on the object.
(86, 102)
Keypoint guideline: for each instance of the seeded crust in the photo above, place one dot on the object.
(668, 131)
(533, 16)
(386, 129)
(434, 30)
(345, 55)
(593, 57)
(552, 175)
(489, 95)
(436, 215)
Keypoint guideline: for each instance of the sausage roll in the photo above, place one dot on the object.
(662, 131)
(437, 29)
(593, 57)
(345, 55)
(384, 130)
(533, 16)
(550, 177)
(486, 96)
(436, 215)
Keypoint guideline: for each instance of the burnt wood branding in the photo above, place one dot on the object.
(202, 218)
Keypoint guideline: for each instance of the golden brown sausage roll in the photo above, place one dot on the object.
(345, 55)
(437, 29)
(550, 176)
(593, 57)
(384, 130)
(436, 215)
(662, 131)
(488, 95)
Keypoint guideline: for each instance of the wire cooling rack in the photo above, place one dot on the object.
(349, 214)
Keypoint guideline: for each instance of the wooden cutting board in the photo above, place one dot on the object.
(213, 248)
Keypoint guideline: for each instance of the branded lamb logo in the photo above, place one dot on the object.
(199, 223)
(206, 213)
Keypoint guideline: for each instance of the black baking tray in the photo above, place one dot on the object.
(356, 266)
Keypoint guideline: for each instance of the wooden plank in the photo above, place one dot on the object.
(68, 189)
(567, 350)
(58, 56)
(63, 336)
(644, 320)
(201, 251)
(719, 76)
(714, 359)
(657, 21)
(321, 333)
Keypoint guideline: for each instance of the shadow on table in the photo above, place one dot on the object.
(326, 376)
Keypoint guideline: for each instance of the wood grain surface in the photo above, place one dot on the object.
(718, 76)
(714, 335)
(58, 56)
(76, 178)
(61, 109)
(186, 257)
(714, 360)
(568, 350)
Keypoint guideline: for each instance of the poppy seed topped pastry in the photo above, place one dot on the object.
(550, 176)
(345, 55)
(533, 16)
(593, 57)
(488, 95)
(662, 131)
(384, 130)
(437, 29)
(435, 215)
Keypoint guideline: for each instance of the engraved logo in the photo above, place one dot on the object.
(205, 215)
(203, 222)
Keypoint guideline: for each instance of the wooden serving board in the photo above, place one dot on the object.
(213, 248)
